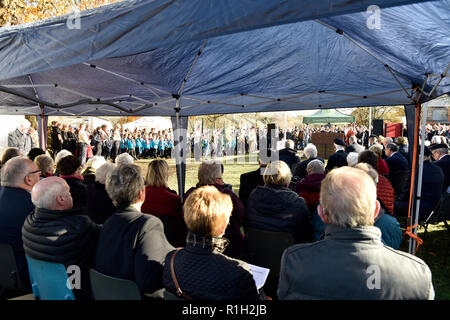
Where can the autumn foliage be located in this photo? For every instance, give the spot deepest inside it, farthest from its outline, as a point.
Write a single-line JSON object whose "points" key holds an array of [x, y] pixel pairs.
{"points": [[13, 12]]}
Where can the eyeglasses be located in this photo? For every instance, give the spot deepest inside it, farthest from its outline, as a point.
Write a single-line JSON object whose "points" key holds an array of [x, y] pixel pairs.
{"points": [[33, 172]]}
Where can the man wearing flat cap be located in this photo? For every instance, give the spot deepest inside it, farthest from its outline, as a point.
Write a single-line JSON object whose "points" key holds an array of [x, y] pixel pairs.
{"points": [[440, 154], [339, 158]]}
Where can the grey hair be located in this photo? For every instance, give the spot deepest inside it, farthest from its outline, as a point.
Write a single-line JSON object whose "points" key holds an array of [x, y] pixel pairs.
{"points": [[315, 166], [102, 172], [47, 199], [45, 163], [310, 151], [367, 168], [124, 183], [208, 171], [14, 171], [392, 146], [352, 159], [339, 147], [289, 144], [62, 154], [124, 158]]}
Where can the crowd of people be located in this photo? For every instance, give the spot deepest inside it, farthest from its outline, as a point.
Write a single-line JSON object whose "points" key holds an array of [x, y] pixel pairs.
{"points": [[109, 143], [342, 216]]}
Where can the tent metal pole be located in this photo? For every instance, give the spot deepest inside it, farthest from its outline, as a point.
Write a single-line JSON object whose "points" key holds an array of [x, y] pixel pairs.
{"points": [[419, 180], [370, 121], [178, 157]]}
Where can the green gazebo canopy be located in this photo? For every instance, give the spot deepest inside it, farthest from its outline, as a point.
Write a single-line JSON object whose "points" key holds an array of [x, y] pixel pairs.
{"points": [[328, 116]]}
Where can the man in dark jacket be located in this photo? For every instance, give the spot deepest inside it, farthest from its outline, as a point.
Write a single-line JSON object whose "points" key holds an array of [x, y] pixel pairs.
{"points": [[440, 154], [249, 181], [18, 176], [132, 245], [310, 152], [289, 155], [57, 233], [339, 158], [351, 262]]}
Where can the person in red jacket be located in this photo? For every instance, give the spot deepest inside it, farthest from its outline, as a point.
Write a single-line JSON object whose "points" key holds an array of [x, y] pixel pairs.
{"points": [[164, 202], [309, 187], [385, 191]]}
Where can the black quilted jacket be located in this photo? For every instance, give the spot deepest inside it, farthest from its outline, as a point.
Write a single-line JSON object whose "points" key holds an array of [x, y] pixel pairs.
{"points": [[206, 274]]}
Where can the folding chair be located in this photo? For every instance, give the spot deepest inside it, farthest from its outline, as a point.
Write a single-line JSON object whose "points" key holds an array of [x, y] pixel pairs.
{"points": [[49, 280], [110, 288]]}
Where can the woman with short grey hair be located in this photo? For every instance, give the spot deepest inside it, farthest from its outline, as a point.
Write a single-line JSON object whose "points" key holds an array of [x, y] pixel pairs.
{"points": [[46, 164], [132, 245], [275, 207]]}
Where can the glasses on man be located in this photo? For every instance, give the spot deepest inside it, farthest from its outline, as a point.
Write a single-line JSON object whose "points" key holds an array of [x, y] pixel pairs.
{"points": [[33, 172]]}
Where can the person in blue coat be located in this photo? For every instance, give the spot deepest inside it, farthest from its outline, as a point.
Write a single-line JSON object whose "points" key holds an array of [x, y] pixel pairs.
{"points": [[145, 147], [153, 146], [131, 146], [18, 176], [138, 147]]}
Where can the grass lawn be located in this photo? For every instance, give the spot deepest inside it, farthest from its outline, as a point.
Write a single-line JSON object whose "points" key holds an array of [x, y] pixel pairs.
{"points": [[432, 251]]}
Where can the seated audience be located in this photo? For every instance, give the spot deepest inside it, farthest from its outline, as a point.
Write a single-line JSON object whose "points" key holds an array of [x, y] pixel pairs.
{"points": [[163, 202], [385, 191], [34, 153], [351, 262], [398, 167], [382, 166], [339, 158], [310, 152], [131, 245], [46, 164], [391, 233], [18, 176], [442, 160], [210, 173], [309, 187], [56, 232], [62, 154], [289, 155], [124, 158], [90, 168], [69, 169], [431, 191], [99, 205], [275, 207], [200, 270]]}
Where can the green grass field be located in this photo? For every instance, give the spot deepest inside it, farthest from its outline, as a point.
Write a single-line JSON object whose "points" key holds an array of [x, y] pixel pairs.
{"points": [[432, 251]]}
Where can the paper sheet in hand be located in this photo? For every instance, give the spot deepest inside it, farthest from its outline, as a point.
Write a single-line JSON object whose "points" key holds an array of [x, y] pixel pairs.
{"points": [[259, 275]]}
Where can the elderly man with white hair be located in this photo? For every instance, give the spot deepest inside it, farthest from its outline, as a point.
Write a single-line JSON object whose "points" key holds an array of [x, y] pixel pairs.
{"points": [[20, 138], [18, 176], [310, 152], [58, 233]]}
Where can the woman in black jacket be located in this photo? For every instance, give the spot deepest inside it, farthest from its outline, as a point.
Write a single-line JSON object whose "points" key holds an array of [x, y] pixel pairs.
{"points": [[69, 168], [200, 270]]}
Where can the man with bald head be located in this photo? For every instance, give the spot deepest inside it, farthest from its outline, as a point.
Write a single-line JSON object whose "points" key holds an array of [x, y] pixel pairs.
{"points": [[351, 262], [18, 176], [59, 233]]}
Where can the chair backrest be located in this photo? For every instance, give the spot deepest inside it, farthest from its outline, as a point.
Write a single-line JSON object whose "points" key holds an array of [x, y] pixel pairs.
{"points": [[9, 273], [170, 296], [265, 248], [109, 288], [49, 280]]}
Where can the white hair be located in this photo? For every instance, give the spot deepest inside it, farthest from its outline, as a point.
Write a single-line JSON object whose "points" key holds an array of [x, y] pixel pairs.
{"points": [[315, 166], [47, 199], [14, 171], [124, 158], [24, 123], [339, 147], [62, 154], [310, 151], [102, 172], [352, 159], [209, 171], [95, 162]]}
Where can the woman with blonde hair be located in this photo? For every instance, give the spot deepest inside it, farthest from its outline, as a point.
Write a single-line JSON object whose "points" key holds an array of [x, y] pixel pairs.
{"points": [[200, 271], [163, 202]]}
